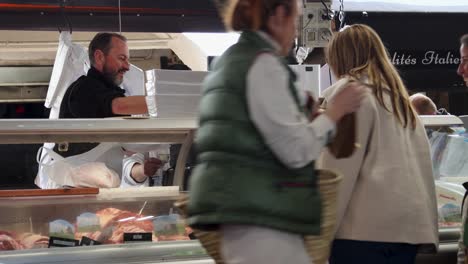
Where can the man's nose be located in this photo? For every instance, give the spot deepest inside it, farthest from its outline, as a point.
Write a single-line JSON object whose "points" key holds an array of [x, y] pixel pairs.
{"points": [[460, 69], [126, 65]]}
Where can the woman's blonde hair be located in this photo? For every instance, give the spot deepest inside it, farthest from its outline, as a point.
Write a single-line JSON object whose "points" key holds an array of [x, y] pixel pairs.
{"points": [[240, 15], [357, 51]]}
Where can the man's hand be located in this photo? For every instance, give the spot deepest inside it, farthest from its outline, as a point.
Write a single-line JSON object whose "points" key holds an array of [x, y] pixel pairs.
{"points": [[313, 106], [140, 172], [150, 166]]}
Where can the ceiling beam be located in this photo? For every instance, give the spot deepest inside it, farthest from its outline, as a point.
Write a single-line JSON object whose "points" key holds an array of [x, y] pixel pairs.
{"points": [[136, 16]]}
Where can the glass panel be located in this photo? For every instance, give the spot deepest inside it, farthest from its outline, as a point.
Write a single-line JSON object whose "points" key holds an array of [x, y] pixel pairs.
{"points": [[149, 212], [449, 152]]}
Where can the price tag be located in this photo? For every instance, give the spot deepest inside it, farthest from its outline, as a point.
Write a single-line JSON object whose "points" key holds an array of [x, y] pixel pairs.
{"points": [[86, 241], [138, 237], [62, 242]]}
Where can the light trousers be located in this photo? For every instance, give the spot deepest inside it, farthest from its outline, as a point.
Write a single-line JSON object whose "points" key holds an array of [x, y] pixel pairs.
{"points": [[246, 244]]}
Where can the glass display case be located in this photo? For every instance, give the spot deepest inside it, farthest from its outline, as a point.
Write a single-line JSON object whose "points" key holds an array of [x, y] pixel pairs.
{"points": [[445, 133], [449, 144], [90, 225], [37, 221], [43, 218], [141, 225]]}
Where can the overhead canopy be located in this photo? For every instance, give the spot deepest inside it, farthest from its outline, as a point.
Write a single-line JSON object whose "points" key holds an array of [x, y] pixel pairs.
{"points": [[90, 15], [456, 6], [166, 15]]}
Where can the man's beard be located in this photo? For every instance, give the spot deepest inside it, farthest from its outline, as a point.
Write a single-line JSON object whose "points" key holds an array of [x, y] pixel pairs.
{"points": [[112, 76]]}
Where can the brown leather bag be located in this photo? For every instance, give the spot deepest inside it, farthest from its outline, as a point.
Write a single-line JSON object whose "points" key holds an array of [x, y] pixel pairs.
{"points": [[344, 142]]}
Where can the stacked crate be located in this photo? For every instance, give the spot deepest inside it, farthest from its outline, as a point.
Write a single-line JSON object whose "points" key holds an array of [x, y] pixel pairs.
{"points": [[173, 94]]}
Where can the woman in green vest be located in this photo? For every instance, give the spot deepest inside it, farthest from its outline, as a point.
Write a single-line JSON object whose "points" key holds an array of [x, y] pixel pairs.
{"points": [[255, 178]]}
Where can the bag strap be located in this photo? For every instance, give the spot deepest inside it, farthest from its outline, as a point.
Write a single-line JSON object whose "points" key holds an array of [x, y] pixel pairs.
{"points": [[465, 227], [465, 185], [48, 152]]}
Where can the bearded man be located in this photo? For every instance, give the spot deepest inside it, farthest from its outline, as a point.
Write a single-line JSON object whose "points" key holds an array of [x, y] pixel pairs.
{"points": [[98, 95]]}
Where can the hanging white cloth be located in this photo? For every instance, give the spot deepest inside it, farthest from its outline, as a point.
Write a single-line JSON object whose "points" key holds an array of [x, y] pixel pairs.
{"points": [[71, 61]]}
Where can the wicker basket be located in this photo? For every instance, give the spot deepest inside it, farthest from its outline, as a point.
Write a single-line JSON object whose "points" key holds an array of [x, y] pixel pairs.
{"points": [[318, 247]]}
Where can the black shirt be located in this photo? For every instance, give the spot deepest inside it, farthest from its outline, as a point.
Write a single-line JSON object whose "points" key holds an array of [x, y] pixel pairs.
{"points": [[88, 97]]}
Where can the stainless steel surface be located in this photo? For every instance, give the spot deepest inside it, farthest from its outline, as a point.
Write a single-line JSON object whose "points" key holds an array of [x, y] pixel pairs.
{"points": [[9, 101], [181, 159], [162, 252], [447, 235], [25, 75], [440, 120], [13, 94], [24, 131], [447, 254]]}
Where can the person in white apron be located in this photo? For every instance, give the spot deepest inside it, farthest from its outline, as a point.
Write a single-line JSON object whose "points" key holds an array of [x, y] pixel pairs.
{"points": [[95, 95]]}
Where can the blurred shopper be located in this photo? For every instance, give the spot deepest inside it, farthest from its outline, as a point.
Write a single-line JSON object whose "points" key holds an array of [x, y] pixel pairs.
{"points": [[255, 178], [463, 71], [463, 67], [387, 208], [422, 104]]}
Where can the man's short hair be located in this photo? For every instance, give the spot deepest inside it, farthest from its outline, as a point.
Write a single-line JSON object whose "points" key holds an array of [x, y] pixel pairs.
{"points": [[423, 104], [464, 40], [102, 41]]}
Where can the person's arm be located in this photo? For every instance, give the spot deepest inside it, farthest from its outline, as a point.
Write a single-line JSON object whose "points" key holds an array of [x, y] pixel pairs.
{"points": [[351, 166], [129, 105], [141, 171], [127, 165], [293, 139], [136, 170]]}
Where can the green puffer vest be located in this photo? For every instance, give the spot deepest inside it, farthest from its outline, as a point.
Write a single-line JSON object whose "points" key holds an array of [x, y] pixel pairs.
{"points": [[238, 180]]}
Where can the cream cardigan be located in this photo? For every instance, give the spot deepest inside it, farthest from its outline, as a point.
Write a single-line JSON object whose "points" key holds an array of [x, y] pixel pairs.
{"points": [[387, 193]]}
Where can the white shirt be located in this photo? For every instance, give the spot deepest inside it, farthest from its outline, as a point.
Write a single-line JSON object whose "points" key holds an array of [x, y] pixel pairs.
{"points": [[127, 165], [293, 139]]}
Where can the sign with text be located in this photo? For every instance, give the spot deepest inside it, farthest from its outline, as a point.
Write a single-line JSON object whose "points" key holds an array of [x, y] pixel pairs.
{"points": [[427, 59]]}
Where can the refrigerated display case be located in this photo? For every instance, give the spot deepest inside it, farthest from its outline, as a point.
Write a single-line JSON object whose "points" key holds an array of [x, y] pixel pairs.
{"points": [[27, 218], [137, 224], [90, 225], [441, 130]]}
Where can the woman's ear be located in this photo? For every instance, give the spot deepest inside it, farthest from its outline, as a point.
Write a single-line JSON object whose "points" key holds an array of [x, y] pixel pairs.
{"points": [[275, 23]]}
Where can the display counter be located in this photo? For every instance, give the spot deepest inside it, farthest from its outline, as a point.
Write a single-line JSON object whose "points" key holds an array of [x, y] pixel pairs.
{"points": [[102, 225], [89, 225], [141, 225], [445, 133]]}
